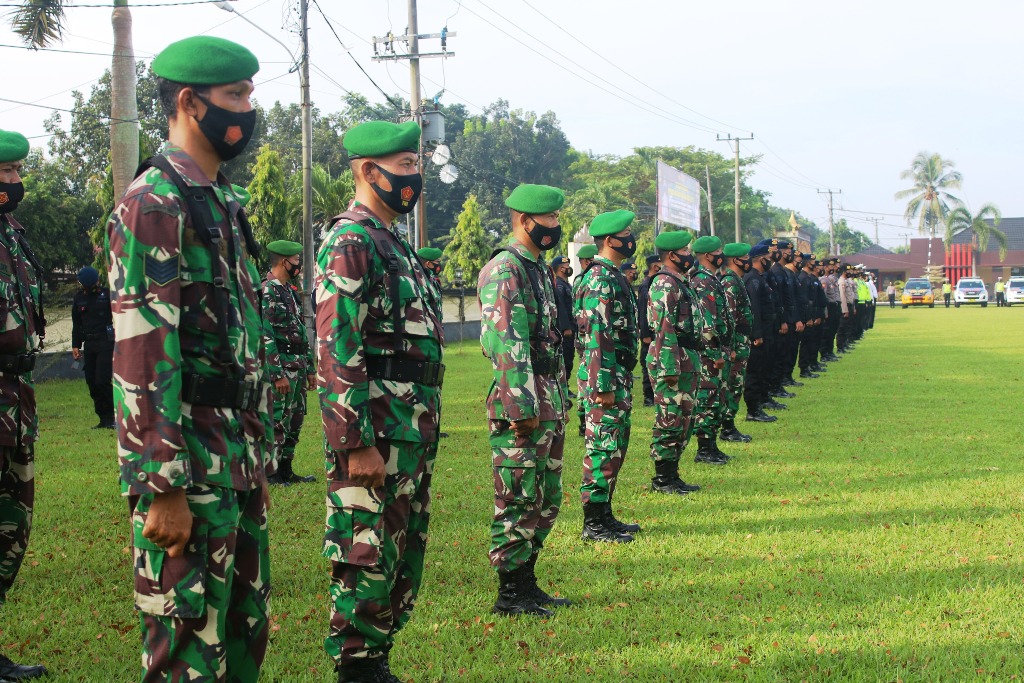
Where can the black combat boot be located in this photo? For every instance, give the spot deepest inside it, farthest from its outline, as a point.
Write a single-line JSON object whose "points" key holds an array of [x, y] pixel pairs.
{"points": [[731, 434], [595, 525], [666, 479], [757, 414], [790, 382], [717, 450], [515, 596], [706, 453], [361, 671], [274, 480], [9, 671], [818, 367], [538, 593], [583, 425], [781, 393], [284, 470], [772, 404], [617, 524], [807, 374]]}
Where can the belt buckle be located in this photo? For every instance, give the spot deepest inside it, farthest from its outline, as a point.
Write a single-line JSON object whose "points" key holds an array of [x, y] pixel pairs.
{"points": [[440, 374], [189, 393]]}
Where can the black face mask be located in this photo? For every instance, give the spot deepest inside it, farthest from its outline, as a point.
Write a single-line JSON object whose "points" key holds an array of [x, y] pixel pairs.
{"points": [[766, 263], [745, 265], [294, 269], [228, 131], [775, 256], [544, 237], [717, 260], [405, 190], [787, 258], [627, 245], [567, 273], [683, 262], [11, 195]]}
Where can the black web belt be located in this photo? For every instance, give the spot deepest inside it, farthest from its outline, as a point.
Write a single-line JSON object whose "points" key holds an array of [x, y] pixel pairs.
{"points": [[404, 370], [547, 367], [17, 364], [286, 347], [219, 392]]}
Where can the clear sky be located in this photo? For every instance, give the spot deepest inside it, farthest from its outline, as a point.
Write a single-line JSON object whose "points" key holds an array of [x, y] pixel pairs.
{"points": [[839, 95]]}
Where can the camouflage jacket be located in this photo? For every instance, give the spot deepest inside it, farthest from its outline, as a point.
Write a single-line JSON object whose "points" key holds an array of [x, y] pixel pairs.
{"points": [[284, 332], [354, 322], [710, 296], [19, 335], [518, 333], [677, 326], [161, 279], [605, 313], [739, 306]]}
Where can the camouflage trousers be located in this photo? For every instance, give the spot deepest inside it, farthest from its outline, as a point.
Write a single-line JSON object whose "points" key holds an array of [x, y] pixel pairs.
{"points": [[606, 442], [205, 613], [289, 414], [376, 540], [732, 388], [527, 490], [709, 411], [17, 495], [673, 418]]}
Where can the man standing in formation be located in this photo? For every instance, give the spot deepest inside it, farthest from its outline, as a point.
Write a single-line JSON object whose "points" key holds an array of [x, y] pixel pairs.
{"points": [[763, 325], [605, 311], [586, 256], [848, 309], [430, 259], [830, 285], [737, 265], [520, 334], [812, 302], [646, 333], [92, 342], [562, 268], [289, 357], [379, 373], [22, 329], [191, 392], [673, 359]]}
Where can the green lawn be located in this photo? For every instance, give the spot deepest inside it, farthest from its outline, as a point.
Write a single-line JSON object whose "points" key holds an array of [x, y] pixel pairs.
{"points": [[872, 534]]}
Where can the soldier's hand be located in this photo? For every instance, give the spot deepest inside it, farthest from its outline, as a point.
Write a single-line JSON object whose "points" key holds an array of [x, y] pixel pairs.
{"points": [[526, 427], [366, 467], [607, 399], [846, 315], [757, 342], [310, 382], [281, 385], [169, 522], [784, 329], [719, 364], [567, 333], [732, 355], [646, 341], [799, 326], [672, 380], [76, 353]]}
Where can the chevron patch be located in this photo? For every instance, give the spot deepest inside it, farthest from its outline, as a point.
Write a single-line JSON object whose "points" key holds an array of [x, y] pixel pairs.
{"points": [[163, 272]]}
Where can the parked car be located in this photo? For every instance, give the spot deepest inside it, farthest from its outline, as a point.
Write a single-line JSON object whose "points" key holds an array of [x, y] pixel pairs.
{"points": [[970, 290], [917, 292], [1015, 291]]}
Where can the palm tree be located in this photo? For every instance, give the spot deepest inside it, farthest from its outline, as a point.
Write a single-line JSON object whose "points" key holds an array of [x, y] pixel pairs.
{"points": [[960, 220], [40, 23], [331, 196], [929, 198]]}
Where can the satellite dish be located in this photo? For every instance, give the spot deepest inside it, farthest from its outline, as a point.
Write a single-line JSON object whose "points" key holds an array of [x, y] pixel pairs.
{"points": [[441, 155], [449, 174]]}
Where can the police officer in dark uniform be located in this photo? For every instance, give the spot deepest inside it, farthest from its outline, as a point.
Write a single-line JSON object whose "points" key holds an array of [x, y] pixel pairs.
{"points": [[92, 343], [562, 268], [762, 335], [646, 333], [785, 289]]}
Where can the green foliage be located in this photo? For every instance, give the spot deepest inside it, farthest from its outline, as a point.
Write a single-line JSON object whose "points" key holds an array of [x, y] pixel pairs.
{"points": [[960, 220], [39, 23], [468, 249], [848, 240], [331, 196], [929, 199], [268, 207]]}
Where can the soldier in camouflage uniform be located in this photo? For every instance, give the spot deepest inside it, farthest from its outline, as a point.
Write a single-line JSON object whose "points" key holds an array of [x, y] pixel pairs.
{"points": [[673, 362], [191, 393], [586, 256], [717, 352], [22, 328], [380, 344], [289, 357], [526, 403], [605, 310], [430, 259], [737, 265]]}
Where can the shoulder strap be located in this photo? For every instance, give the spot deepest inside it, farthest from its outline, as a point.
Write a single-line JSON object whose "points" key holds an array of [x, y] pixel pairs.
{"points": [[534, 276], [39, 315]]}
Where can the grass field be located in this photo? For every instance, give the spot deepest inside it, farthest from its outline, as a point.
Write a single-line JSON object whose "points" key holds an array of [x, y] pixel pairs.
{"points": [[872, 534]]}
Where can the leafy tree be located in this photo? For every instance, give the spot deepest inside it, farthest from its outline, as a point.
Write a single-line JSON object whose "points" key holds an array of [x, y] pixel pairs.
{"points": [[929, 199], [268, 207], [331, 196], [848, 240], [960, 220], [468, 248]]}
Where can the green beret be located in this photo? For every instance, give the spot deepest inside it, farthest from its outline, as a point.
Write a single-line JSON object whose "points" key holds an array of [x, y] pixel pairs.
{"points": [[736, 249], [381, 138], [672, 240], [13, 146], [429, 253], [205, 60], [706, 244], [610, 223], [284, 248], [241, 194], [587, 251], [535, 199]]}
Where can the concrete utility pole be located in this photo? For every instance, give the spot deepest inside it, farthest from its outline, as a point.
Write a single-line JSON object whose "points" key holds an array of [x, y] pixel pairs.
{"points": [[730, 138], [876, 221], [711, 207], [384, 50], [308, 257], [831, 224]]}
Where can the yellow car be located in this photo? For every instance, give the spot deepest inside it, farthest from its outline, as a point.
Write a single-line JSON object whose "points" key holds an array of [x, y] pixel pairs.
{"points": [[918, 292]]}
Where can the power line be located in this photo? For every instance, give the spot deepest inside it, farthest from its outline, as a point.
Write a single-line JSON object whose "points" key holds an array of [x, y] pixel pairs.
{"points": [[133, 5]]}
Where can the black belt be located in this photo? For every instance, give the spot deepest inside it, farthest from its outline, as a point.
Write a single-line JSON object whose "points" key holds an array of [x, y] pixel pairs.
{"points": [[545, 366], [287, 347], [220, 392], [402, 370], [97, 336], [626, 359], [19, 364]]}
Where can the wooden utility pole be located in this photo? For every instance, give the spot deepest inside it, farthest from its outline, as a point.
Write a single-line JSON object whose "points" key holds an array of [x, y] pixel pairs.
{"points": [[711, 207], [876, 221], [729, 138], [831, 224], [308, 257]]}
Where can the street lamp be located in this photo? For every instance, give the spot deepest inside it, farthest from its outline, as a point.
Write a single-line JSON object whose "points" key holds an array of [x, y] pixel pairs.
{"points": [[228, 7]]}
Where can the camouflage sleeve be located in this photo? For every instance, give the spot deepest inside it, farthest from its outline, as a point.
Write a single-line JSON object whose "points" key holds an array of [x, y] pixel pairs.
{"points": [[505, 338], [662, 302], [268, 306], [144, 253], [597, 306], [341, 289]]}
